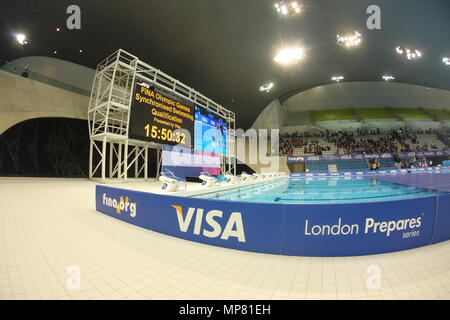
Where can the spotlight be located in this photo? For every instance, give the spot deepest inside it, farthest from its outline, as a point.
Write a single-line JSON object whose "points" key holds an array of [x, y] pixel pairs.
{"points": [[266, 87], [388, 78], [21, 39], [337, 78], [288, 7], [408, 53], [350, 40], [58, 29], [289, 56], [446, 60]]}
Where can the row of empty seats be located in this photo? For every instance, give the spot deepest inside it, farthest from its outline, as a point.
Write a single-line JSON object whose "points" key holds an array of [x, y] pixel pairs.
{"points": [[341, 165]]}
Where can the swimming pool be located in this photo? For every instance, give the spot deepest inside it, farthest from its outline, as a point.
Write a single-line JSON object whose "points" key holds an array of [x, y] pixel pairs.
{"points": [[327, 217], [321, 190]]}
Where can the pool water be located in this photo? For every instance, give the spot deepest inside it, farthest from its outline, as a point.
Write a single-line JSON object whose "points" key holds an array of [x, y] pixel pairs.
{"points": [[321, 190]]}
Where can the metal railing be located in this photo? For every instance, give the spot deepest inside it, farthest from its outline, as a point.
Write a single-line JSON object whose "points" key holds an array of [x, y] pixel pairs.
{"points": [[19, 71]]}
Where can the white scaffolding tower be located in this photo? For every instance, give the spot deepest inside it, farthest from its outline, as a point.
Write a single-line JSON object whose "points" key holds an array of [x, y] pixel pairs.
{"points": [[113, 156]]}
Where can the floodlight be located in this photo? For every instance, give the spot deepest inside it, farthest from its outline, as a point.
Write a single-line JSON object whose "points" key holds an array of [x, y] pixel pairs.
{"points": [[337, 78], [266, 87], [21, 39], [289, 56], [388, 78], [349, 40], [408, 53], [288, 7]]}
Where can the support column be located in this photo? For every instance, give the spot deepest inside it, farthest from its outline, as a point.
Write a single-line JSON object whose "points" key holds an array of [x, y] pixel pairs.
{"points": [[91, 152], [119, 160], [125, 161], [111, 156], [136, 163], [104, 159]]}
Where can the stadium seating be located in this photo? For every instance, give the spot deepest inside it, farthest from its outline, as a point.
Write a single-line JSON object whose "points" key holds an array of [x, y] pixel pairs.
{"points": [[439, 114], [411, 113], [374, 113], [384, 163], [333, 115], [342, 165]]}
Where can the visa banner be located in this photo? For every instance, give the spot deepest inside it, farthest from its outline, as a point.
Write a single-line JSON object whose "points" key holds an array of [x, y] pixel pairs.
{"points": [[365, 173], [288, 229], [331, 157]]}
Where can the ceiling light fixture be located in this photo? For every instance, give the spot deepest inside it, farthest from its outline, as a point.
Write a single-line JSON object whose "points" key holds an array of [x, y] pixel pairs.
{"points": [[21, 39], [446, 60], [266, 87], [388, 78], [289, 56], [337, 78], [350, 40], [408, 53], [288, 7]]}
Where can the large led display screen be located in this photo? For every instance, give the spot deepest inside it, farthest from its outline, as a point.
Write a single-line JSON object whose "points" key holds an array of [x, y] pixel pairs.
{"points": [[210, 132], [160, 118]]}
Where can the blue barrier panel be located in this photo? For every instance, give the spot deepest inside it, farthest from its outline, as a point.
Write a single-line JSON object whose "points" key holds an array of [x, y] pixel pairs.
{"points": [[442, 224], [368, 173], [125, 205], [358, 229], [244, 226], [332, 157], [291, 229], [238, 225]]}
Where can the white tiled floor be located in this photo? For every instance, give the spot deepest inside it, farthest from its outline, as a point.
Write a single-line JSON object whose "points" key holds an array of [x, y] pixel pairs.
{"points": [[47, 225]]}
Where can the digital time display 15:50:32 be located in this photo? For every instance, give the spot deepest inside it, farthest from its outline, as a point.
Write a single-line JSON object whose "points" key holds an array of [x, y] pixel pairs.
{"points": [[164, 134]]}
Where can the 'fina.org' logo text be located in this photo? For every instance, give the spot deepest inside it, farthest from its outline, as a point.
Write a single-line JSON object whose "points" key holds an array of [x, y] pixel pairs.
{"points": [[121, 205]]}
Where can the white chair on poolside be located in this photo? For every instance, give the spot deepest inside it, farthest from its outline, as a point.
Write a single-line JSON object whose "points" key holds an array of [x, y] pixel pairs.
{"points": [[208, 180], [171, 183]]}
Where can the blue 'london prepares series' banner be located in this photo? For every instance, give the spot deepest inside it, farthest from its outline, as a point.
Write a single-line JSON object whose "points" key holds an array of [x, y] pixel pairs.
{"points": [[331, 157], [342, 229], [368, 173]]}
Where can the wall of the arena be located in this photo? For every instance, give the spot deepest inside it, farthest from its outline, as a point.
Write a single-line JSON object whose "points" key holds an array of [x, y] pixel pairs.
{"points": [[23, 99], [51, 147], [64, 71], [45, 147], [43, 127], [345, 229], [367, 94], [295, 113], [270, 118]]}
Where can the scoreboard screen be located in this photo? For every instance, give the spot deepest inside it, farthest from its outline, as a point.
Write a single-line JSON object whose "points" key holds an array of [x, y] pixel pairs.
{"points": [[210, 132], [160, 118]]}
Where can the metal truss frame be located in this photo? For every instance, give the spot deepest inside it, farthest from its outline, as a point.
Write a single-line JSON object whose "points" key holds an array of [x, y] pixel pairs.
{"points": [[109, 117]]}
